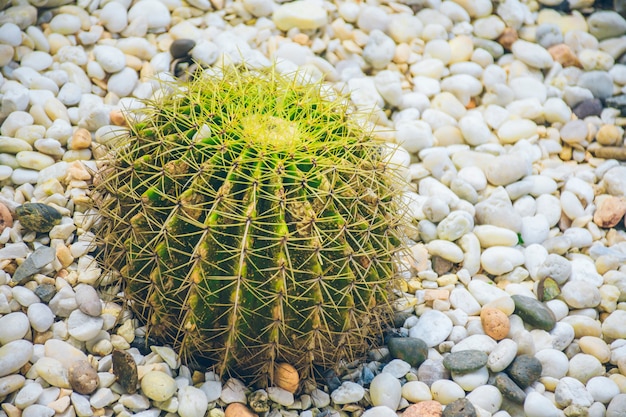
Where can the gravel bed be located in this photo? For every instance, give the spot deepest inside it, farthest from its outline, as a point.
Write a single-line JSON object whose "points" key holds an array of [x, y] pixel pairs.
{"points": [[510, 121]]}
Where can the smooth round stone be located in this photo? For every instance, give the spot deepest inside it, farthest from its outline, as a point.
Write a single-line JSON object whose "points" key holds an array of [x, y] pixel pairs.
{"points": [[613, 325], [610, 135], [110, 58], [487, 397], [158, 18], [13, 326], [506, 169], [385, 389], [379, 50], [509, 389], [599, 83], [123, 82], [37, 60], [416, 391], [511, 131], [536, 405], [114, 16], [617, 406], [490, 235], [596, 347], [302, 15], [433, 327], [583, 325], [588, 107], [574, 132], [532, 54], [192, 402], [455, 225], [525, 370], [82, 377], [410, 349], [465, 361], [606, 24], [349, 392], [88, 300], [502, 355], [602, 389], [34, 160], [28, 395], [158, 386], [397, 367], [534, 312], [10, 34], [52, 371], [83, 327], [580, 294], [570, 391], [65, 24], [460, 408], [40, 316], [431, 371], [554, 363], [63, 352], [446, 391], [471, 380], [180, 48], [584, 367], [498, 260], [379, 411]]}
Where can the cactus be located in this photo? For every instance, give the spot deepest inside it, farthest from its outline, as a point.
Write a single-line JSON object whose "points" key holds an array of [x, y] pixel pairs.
{"points": [[252, 223]]}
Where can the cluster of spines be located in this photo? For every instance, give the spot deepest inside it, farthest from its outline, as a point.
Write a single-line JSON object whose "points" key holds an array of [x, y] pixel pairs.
{"points": [[253, 223]]}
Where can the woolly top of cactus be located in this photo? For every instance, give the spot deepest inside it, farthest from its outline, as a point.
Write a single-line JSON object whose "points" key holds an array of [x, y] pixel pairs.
{"points": [[253, 222]]}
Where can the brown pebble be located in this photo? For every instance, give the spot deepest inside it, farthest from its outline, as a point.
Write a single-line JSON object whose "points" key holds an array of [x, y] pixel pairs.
{"points": [[609, 210], [610, 152], [287, 377], [610, 135], [81, 139], [564, 55], [508, 38], [6, 219], [125, 368], [238, 410], [117, 118], [495, 323], [82, 377], [423, 409]]}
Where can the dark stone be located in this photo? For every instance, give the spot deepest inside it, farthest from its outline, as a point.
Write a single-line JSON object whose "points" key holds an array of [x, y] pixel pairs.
{"points": [[125, 368], [180, 48], [459, 408], [332, 380], [465, 361], [45, 292], [410, 349], [38, 217], [525, 370], [534, 312], [509, 389], [589, 107], [367, 375], [431, 371], [617, 102], [548, 289]]}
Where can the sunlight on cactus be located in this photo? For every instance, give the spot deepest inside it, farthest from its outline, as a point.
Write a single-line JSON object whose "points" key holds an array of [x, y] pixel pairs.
{"points": [[253, 223]]}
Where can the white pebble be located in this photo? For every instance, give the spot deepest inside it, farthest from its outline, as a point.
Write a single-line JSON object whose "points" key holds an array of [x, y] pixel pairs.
{"points": [[83, 327], [385, 389], [158, 17], [446, 391], [536, 405], [40, 316], [498, 260], [192, 402], [349, 392], [14, 355], [433, 327], [13, 326]]}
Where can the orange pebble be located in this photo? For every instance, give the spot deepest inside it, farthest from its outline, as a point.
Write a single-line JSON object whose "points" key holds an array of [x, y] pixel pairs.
{"points": [[423, 409], [495, 323], [238, 410]]}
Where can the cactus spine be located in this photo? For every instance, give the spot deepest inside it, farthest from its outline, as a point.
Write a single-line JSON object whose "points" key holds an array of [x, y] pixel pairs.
{"points": [[252, 223]]}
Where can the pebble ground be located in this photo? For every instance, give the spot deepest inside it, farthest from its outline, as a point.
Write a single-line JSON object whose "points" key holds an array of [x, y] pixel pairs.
{"points": [[509, 117]]}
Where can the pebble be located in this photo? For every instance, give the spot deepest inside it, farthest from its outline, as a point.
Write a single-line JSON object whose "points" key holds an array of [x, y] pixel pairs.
{"points": [[379, 411], [158, 386], [465, 361], [536, 405], [302, 15], [13, 326], [238, 410], [495, 323], [82, 377], [524, 370], [570, 391], [125, 368], [459, 408], [533, 312], [82, 326], [14, 355], [432, 328], [446, 392], [502, 355], [412, 350], [416, 391], [192, 402], [509, 389], [349, 392], [532, 54], [385, 390], [426, 408]]}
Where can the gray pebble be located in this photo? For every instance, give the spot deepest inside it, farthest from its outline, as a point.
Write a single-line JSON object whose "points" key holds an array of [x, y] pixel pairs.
{"points": [[599, 83], [509, 389], [465, 361], [525, 370], [548, 34]]}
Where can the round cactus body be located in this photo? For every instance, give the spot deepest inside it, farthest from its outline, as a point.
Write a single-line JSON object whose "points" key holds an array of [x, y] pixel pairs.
{"points": [[252, 224]]}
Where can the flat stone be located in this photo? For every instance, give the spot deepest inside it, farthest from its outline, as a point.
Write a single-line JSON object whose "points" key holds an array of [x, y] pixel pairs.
{"points": [[14, 355], [509, 389], [465, 361], [534, 312], [37, 260], [125, 368], [409, 349]]}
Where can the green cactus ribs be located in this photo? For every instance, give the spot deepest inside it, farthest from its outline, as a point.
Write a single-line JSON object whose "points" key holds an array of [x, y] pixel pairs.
{"points": [[253, 223]]}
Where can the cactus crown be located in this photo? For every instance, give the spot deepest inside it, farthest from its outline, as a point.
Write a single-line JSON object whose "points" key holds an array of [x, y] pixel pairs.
{"points": [[253, 223]]}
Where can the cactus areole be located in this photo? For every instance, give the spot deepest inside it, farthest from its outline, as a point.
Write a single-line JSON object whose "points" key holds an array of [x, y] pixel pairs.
{"points": [[252, 223]]}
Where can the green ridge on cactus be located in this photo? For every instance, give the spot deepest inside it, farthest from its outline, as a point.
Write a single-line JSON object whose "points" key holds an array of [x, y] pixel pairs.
{"points": [[253, 223]]}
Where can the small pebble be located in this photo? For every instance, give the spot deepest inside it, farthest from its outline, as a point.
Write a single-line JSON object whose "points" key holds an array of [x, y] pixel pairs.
{"points": [[82, 377]]}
